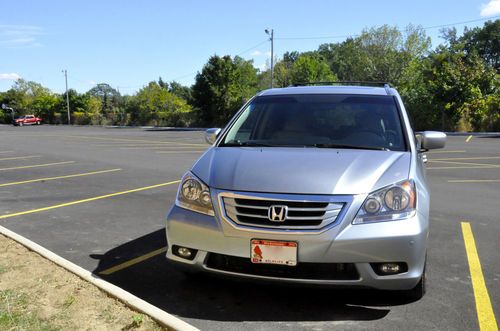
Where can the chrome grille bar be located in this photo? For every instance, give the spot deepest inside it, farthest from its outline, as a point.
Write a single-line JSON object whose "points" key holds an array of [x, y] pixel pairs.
{"points": [[304, 214]]}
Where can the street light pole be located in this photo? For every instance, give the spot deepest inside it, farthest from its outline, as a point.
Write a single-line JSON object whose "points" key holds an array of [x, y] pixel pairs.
{"points": [[270, 32], [67, 94]]}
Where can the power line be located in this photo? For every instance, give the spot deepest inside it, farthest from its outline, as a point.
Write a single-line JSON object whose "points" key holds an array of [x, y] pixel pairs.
{"points": [[459, 23], [356, 35], [253, 47], [240, 53], [312, 38]]}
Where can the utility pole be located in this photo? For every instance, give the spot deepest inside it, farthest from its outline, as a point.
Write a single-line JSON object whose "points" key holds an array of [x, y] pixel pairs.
{"points": [[67, 95], [270, 32]]}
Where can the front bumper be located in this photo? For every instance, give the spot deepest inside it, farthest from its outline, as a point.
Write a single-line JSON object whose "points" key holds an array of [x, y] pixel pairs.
{"points": [[396, 241]]}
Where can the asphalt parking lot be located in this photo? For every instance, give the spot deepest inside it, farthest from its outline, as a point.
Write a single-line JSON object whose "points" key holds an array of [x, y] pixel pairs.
{"points": [[98, 198]]}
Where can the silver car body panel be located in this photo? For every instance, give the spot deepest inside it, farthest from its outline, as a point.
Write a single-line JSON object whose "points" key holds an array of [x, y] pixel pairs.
{"points": [[315, 170]]}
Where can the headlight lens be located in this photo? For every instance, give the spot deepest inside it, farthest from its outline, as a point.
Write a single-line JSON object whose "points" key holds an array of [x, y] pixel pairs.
{"points": [[395, 202], [194, 195], [191, 189]]}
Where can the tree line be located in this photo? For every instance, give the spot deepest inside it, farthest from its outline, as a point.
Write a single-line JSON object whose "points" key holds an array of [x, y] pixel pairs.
{"points": [[452, 87]]}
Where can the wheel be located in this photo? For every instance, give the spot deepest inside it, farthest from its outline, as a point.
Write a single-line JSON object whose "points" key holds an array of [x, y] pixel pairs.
{"points": [[38, 123], [21, 123]]}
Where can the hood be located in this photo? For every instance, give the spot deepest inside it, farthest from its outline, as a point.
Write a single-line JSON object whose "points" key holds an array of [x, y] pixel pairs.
{"points": [[301, 170]]}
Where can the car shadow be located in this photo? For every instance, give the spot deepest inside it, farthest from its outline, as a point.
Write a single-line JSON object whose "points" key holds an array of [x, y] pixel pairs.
{"points": [[202, 296]]}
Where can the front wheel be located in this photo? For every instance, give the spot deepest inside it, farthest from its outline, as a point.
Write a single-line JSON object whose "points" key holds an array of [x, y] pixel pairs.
{"points": [[38, 123], [21, 123]]}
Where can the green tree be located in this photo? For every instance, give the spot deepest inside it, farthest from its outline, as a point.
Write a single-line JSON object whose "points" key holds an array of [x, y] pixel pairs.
{"points": [[310, 68], [378, 54], [94, 107], [222, 87], [46, 105], [24, 95], [485, 41], [157, 106], [181, 91], [282, 69], [455, 82], [111, 101]]}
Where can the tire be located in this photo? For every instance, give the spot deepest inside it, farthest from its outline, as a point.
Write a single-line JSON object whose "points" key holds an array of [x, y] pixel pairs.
{"points": [[21, 123], [38, 123]]}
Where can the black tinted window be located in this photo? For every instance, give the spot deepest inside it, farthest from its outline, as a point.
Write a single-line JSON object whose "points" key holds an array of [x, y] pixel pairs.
{"points": [[309, 120]]}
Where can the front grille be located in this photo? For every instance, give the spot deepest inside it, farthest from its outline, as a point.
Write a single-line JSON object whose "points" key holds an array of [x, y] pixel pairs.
{"points": [[254, 211], [316, 271]]}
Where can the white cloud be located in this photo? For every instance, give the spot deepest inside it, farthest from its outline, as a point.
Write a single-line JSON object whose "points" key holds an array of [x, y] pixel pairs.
{"points": [[262, 67], [9, 76], [256, 53], [491, 8], [19, 36]]}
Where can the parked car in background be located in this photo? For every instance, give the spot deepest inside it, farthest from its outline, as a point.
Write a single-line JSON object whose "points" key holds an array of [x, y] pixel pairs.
{"points": [[310, 184], [27, 120]]}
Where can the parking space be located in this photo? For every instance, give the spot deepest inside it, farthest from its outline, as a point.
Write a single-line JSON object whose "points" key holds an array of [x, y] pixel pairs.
{"points": [[98, 197]]}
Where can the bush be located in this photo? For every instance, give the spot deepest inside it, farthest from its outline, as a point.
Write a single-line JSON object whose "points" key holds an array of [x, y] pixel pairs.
{"points": [[80, 118]]}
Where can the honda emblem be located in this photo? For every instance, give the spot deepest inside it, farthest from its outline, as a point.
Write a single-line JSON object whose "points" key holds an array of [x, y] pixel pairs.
{"points": [[277, 213]]}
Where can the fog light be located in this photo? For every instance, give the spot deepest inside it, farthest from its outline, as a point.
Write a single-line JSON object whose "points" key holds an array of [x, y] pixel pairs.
{"points": [[184, 252], [390, 268]]}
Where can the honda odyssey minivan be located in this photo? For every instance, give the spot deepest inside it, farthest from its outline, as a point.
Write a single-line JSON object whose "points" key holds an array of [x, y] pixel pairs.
{"points": [[310, 184]]}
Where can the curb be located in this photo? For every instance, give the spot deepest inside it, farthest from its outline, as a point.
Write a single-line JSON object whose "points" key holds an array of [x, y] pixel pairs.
{"points": [[162, 317], [475, 134]]}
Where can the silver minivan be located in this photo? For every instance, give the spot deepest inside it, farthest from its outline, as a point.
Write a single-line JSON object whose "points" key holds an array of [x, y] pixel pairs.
{"points": [[312, 185]]}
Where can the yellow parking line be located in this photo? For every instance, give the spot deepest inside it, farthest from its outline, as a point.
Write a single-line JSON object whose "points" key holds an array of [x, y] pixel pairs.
{"points": [[137, 140], [179, 152], [485, 314], [60, 177], [87, 200], [467, 163], [473, 180], [461, 167], [445, 151], [468, 139], [126, 144], [136, 260], [132, 144], [160, 147], [114, 139], [466, 158], [37, 165], [19, 157]]}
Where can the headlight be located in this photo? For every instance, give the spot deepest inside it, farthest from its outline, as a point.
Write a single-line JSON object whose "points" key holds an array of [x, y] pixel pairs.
{"points": [[194, 195], [395, 202]]}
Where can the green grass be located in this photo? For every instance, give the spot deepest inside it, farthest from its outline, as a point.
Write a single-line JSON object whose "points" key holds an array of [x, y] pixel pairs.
{"points": [[16, 315]]}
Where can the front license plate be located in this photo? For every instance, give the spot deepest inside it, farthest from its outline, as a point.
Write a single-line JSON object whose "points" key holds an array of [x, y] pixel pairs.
{"points": [[273, 252]]}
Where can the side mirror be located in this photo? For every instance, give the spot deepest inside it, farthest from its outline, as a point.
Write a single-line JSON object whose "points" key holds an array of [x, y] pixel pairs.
{"points": [[211, 135], [432, 139]]}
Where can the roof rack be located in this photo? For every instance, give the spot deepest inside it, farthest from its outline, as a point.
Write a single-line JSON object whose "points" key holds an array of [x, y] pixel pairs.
{"points": [[345, 82], [385, 85]]}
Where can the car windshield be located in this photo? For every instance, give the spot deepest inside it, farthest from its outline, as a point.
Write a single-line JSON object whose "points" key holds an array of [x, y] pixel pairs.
{"points": [[319, 120]]}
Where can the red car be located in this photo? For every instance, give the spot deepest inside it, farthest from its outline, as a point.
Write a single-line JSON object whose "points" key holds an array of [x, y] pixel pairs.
{"points": [[27, 120]]}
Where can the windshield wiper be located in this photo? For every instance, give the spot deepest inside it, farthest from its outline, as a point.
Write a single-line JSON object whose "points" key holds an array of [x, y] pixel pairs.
{"points": [[350, 147], [238, 143]]}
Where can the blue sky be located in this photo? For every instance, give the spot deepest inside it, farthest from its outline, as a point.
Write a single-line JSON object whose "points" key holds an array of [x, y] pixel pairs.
{"points": [[129, 43]]}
